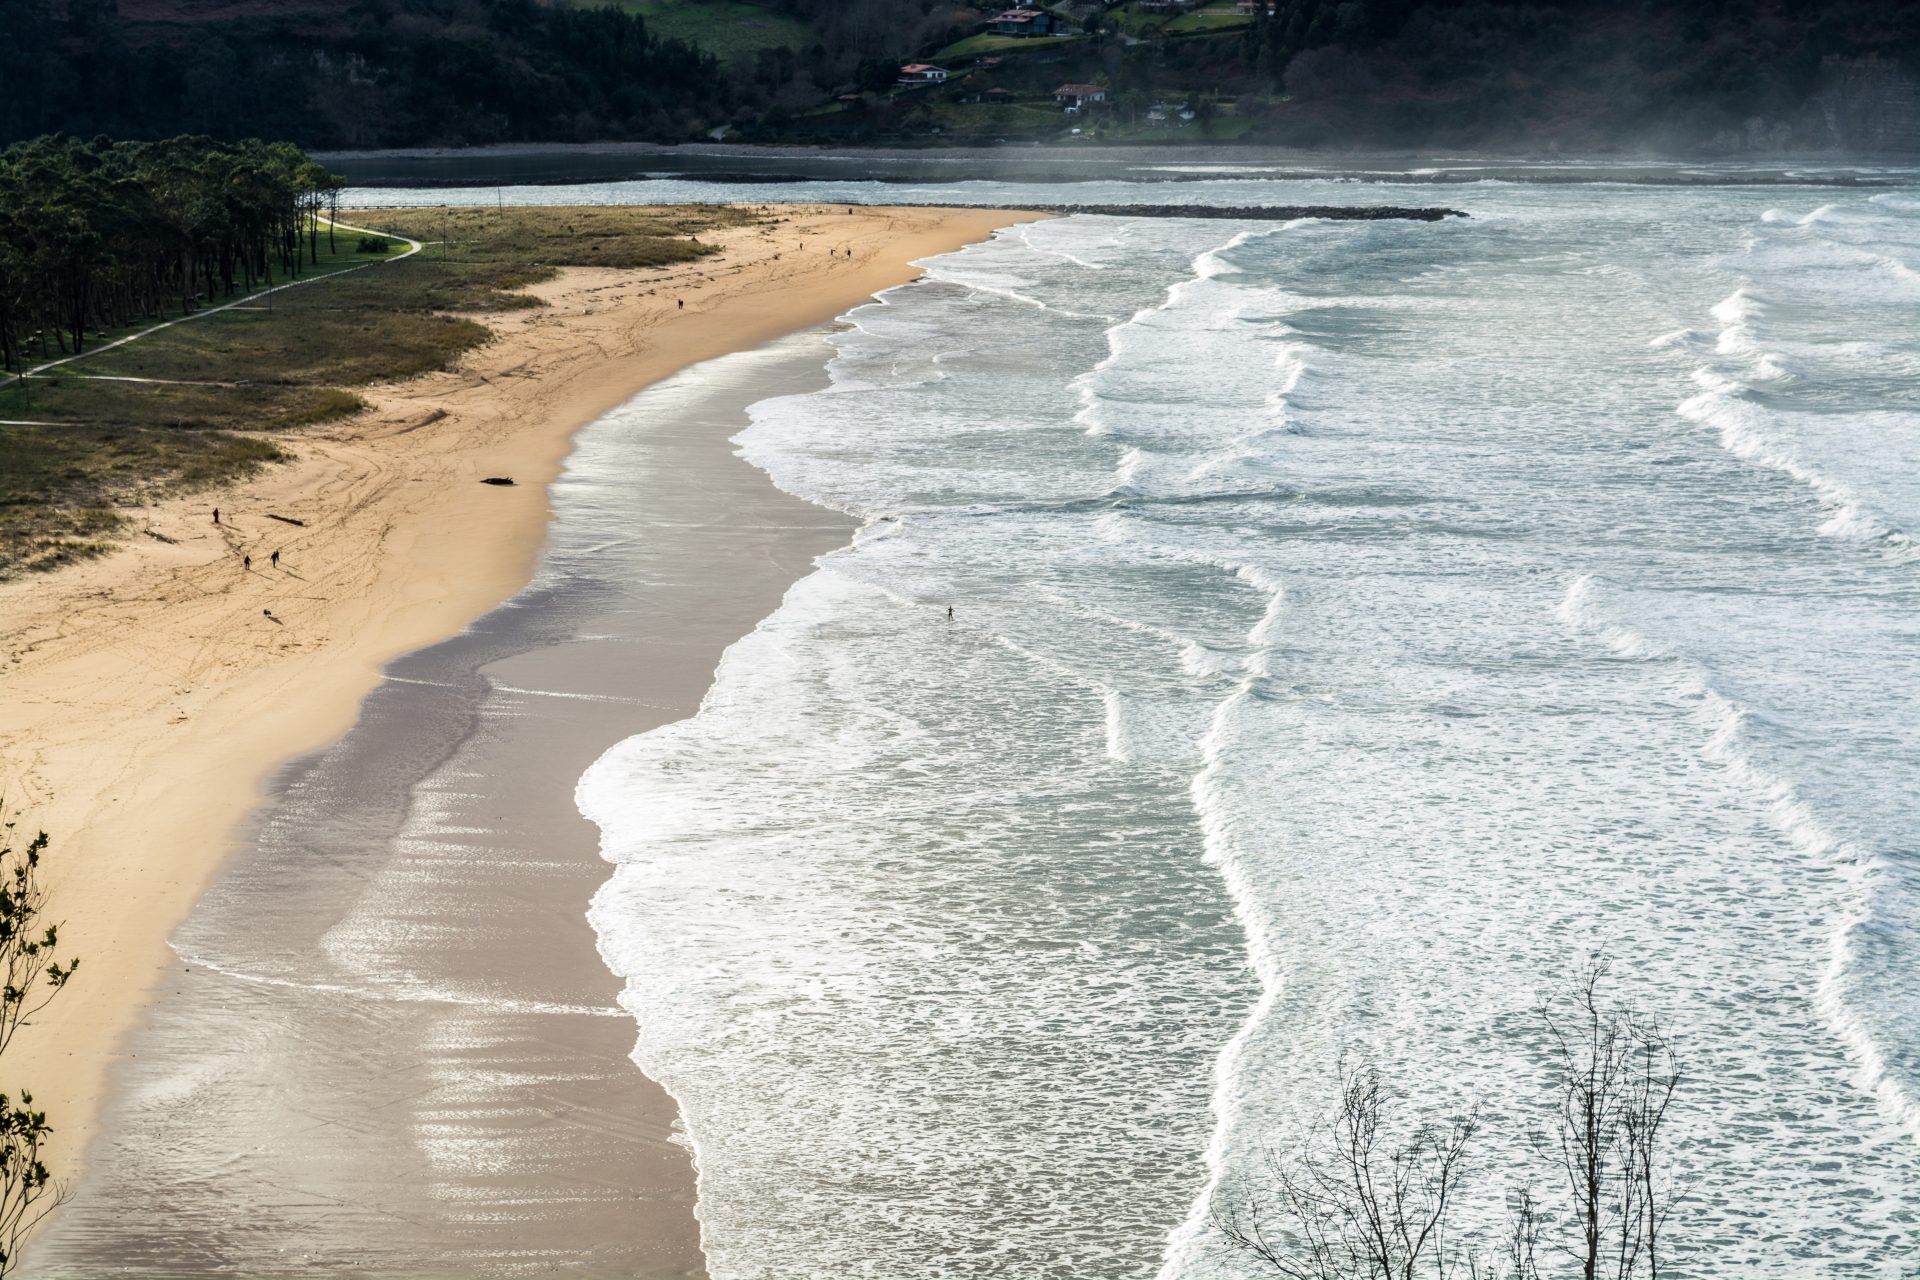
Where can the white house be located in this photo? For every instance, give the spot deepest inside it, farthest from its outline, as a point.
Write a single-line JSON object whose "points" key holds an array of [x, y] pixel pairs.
{"points": [[1075, 96], [918, 75]]}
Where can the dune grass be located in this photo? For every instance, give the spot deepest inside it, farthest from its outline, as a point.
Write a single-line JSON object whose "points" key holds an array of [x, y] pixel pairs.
{"points": [[60, 485], [533, 239], [228, 382]]}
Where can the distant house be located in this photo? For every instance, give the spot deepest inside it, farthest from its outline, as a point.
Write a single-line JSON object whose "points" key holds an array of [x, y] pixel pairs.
{"points": [[918, 75], [1247, 8], [999, 95], [1075, 96], [1027, 22]]}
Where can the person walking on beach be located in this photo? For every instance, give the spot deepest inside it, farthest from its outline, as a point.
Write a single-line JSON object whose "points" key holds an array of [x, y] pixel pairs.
{"points": [[246, 562], [949, 613], [216, 515], [276, 559], [680, 304]]}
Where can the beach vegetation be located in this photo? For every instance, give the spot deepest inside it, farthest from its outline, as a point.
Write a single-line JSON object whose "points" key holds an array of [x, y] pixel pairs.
{"points": [[31, 975], [208, 402], [523, 245], [1374, 1195], [97, 236]]}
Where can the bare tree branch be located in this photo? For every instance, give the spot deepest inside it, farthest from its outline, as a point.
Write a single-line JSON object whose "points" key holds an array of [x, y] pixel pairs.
{"points": [[29, 977], [1615, 1076], [1354, 1204]]}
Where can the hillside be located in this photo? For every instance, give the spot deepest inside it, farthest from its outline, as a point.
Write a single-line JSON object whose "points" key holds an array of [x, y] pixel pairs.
{"points": [[370, 73], [1723, 77]]}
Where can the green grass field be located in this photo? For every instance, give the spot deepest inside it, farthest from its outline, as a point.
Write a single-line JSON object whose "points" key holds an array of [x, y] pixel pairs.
{"points": [[727, 29], [342, 256], [1207, 22], [1134, 22], [232, 380], [986, 43], [999, 117]]}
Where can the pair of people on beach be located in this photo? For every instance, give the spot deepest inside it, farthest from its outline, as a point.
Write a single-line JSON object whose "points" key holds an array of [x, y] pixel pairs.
{"points": [[246, 562]]}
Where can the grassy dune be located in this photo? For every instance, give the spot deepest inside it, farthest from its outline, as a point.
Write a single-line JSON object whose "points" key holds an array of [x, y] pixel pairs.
{"points": [[231, 384]]}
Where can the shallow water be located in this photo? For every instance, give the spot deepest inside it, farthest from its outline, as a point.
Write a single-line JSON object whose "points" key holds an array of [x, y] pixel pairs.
{"points": [[1356, 627], [387, 1046]]}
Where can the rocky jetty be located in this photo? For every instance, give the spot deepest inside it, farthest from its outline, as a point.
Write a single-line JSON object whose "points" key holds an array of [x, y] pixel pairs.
{"points": [[1272, 213]]}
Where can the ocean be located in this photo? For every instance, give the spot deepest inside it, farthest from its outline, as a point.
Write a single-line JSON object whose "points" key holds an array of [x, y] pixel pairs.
{"points": [[1356, 628]]}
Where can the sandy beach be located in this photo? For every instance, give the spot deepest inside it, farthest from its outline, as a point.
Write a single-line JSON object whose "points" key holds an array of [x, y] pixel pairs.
{"points": [[145, 699]]}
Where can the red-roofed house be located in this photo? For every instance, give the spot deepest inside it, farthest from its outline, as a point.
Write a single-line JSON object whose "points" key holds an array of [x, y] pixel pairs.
{"points": [[918, 75], [1075, 96]]}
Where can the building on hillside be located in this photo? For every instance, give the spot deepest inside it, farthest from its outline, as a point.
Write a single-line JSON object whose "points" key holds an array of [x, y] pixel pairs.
{"points": [[1247, 8], [1027, 22], [1075, 96], [918, 75]]}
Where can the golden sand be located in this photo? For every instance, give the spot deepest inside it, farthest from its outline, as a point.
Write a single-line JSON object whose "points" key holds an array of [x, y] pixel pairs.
{"points": [[145, 697]]}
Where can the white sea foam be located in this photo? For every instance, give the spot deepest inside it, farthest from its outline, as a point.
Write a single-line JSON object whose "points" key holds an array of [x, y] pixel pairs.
{"points": [[1735, 402], [1348, 637], [1579, 609], [1728, 730]]}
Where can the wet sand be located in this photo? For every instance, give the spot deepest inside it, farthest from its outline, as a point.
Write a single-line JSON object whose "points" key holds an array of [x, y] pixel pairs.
{"points": [[145, 697], [387, 1046]]}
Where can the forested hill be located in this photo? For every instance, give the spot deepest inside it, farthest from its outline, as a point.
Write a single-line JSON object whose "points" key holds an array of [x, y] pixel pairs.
{"points": [[1681, 76], [359, 74], [1732, 76]]}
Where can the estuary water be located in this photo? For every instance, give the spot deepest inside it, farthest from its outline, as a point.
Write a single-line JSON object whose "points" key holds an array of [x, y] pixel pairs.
{"points": [[1357, 627]]}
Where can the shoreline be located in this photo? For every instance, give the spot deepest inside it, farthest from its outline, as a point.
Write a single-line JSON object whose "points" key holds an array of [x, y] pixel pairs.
{"points": [[393, 1046], [432, 170], [147, 700]]}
